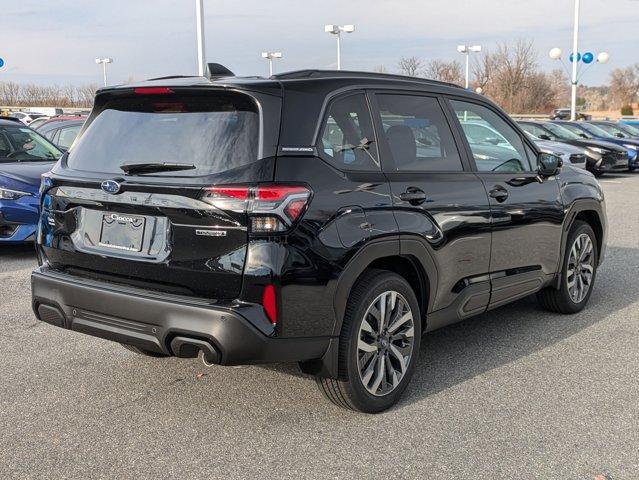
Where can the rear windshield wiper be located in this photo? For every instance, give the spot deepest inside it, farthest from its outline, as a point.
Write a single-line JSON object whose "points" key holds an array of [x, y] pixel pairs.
{"points": [[131, 168]]}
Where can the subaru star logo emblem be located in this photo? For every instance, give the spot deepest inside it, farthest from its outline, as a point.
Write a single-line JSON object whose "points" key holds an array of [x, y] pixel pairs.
{"points": [[110, 186]]}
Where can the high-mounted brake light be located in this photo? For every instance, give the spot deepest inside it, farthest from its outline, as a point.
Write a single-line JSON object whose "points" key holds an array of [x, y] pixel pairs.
{"points": [[152, 90], [273, 207]]}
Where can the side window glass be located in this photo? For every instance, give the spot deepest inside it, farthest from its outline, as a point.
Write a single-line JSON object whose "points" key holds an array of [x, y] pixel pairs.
{"points": [[496, 146], [417, 133], [348, 137], [67, 136]]}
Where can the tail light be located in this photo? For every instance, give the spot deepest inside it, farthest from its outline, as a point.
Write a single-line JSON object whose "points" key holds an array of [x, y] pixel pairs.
{"points": [[272, 207]]}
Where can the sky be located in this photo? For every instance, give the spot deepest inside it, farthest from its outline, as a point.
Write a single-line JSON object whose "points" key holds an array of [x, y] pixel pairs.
{"points": [[57, 41]]}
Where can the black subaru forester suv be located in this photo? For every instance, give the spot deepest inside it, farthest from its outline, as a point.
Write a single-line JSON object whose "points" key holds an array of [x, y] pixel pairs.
{"points": [[320, 217]]}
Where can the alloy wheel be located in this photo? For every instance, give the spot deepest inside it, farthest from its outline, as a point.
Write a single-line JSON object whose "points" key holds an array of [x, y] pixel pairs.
{"points": [[385, 343], [580, 268]]}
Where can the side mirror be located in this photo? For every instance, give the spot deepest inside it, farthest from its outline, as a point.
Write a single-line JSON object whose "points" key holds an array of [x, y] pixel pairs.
{"points": [[548, 164], [620, 135]]}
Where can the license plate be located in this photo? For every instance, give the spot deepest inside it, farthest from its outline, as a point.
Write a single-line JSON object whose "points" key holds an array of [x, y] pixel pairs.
{"points": [[122, 232]]}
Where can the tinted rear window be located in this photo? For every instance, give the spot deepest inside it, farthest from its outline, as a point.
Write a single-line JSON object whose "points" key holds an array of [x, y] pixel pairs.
{"points": [[215, 133]]}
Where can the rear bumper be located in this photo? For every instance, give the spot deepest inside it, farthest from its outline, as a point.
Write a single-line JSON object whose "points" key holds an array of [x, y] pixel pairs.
{"points": [[153, 322]]}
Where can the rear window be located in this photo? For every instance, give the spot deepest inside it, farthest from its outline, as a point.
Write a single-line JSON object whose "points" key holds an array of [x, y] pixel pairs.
{"points": [[215, 133]]}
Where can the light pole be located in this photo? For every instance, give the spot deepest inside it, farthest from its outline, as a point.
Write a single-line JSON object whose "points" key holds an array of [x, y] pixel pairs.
{"points": [[270, 56], [337, 30], [104, 62], [587, 58], [465, 49], [199, 25]]}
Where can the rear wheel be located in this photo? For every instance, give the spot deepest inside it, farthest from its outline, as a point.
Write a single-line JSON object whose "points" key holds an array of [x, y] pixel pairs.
{"points": [[143, 351], [379, 344], [578, 272]]}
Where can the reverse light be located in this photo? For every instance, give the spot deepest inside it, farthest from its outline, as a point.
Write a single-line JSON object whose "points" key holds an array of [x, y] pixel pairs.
{"points": [[273, 207], [7, 194], [269, 302]]}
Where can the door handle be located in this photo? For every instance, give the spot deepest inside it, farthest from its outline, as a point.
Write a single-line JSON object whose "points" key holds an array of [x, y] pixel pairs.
{"points": [[499, 193], [413, 195]]}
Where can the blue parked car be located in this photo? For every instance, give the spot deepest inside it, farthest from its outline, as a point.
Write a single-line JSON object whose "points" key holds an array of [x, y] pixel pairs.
{"points": [[590, 131], [618, 129], [24, 156], [633, 121]]}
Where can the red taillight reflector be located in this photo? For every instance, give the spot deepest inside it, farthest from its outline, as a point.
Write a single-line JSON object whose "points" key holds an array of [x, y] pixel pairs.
{"points": [[295, 208], [152, 90], [277, 192], [239, 192], [269, 302]]}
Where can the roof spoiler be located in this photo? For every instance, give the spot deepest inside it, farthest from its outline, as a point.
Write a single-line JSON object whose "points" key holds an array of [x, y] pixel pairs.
{"points": [[217, 70]]}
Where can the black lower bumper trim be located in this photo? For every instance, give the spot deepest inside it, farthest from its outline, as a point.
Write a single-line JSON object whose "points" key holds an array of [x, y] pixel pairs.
{"points": [[154, 323]]}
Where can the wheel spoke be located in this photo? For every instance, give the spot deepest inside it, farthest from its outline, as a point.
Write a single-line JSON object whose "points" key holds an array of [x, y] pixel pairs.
{"points": [[366, 327], [366, 347], [379, 373], [400, 321], [367, 374], [382, 312], [400, 358]]}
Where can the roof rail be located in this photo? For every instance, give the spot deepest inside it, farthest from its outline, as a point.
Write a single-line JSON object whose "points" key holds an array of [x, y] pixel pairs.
{"points": [[314, 73]]}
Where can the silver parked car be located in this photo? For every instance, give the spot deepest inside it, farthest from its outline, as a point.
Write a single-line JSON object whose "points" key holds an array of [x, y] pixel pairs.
{"points": [[570, 154]]}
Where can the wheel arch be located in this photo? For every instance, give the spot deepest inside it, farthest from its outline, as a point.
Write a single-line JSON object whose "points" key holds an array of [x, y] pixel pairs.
{"points": [[590, 211], [407, 258]]}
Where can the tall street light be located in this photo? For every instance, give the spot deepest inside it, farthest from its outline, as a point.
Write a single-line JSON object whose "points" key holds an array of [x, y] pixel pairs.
{"points": [[465, 49], [337, 30], [270, 56], [199, 23], [104, 62], [576, 57]]}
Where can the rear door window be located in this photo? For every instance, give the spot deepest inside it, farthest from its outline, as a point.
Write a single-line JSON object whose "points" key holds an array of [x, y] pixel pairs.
{"points": [[417, 134], [215, 133], [348, 139]]}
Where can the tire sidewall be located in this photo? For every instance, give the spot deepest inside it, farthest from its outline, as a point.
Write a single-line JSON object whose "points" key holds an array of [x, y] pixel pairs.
{"points": [[361, 397]]}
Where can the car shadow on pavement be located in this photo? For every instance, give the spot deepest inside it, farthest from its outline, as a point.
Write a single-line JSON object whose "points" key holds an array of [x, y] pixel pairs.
{"points": [[459, 352]]}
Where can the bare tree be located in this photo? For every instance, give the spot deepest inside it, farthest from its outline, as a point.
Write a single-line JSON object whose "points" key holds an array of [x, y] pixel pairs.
{"points": [[511, 77], [445, 71], [624, 85], [411, 66], [10, 93], [86, 94]]}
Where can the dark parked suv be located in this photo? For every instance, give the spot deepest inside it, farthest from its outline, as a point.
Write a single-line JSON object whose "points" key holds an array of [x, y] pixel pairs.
{"points": [[326, 218]]}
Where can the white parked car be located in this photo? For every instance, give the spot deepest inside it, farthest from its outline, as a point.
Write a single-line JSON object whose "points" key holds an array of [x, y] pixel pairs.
{"points": [[26, 117]]}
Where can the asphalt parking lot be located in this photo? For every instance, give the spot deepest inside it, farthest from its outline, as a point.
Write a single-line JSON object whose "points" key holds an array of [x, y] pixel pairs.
{"points": [[515, 393]]}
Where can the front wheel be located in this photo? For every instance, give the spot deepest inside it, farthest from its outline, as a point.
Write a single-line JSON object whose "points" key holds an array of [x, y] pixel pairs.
{"points": [[578, 273], [379, 344]]}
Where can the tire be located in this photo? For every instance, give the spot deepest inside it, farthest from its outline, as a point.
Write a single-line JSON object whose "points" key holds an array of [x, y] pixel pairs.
{"points": [[143, 351], [363, 354], [564, 299], [597, 173]]}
